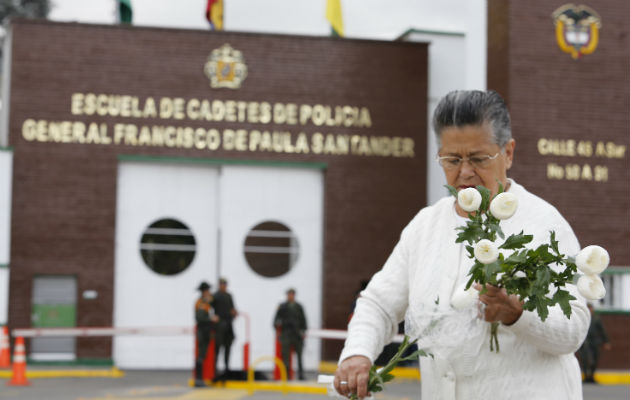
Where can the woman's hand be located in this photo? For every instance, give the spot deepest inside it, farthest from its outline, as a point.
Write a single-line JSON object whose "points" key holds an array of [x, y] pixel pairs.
{"points": [[352, 376], [499, 306]]}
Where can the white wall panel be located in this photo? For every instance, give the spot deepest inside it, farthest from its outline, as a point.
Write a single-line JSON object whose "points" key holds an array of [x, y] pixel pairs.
{"points": [[6, 179], [294, 197], [148, 192]]}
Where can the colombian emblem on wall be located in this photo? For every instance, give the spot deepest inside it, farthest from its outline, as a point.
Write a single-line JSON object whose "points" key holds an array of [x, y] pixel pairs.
{"points": [[225, 68], [577, 29]]}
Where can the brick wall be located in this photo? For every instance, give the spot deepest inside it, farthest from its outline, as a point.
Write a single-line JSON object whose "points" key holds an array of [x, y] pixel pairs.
{"points": [[556, 98], [64, 195]]}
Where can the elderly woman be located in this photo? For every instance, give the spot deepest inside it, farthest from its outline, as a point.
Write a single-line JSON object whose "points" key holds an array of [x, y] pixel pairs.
{"points": [[536, 358]]}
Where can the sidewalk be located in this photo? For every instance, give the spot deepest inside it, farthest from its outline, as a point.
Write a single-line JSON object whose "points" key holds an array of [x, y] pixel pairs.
{"points": [[174, 385]]}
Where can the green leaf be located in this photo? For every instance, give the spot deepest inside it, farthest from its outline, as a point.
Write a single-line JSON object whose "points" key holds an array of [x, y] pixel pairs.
{"points": [[562, 297], [471, 251], [544, 256], [477, 274], [570, 270], [517, 257], [491, 270], [493, 226], [414, 356], [516, 241], [540, 289], [554, 242], [530, 303], [485, 198], [541, 308], [472, 232], [387, 378], [452, 190], [541, 284]]}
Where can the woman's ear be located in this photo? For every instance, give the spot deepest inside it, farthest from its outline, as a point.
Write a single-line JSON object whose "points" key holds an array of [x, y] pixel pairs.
{"points": [[509, 153]]}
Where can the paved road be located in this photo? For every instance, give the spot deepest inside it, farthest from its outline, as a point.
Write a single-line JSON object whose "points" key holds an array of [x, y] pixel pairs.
{"points": [[172, 385]]}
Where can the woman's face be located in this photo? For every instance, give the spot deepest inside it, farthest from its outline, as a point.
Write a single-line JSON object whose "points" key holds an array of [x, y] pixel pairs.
{"points": [[475, 141]]}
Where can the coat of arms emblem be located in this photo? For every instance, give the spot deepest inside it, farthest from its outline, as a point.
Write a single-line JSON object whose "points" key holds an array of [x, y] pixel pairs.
{"points": [[225, 68], [577, 29]]}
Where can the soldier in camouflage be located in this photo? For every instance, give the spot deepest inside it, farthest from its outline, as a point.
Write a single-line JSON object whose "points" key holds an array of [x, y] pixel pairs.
{"points": [[291, 324]]}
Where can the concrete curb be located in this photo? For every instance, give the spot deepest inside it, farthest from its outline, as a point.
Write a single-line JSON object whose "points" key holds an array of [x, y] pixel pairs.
{"points": [[68, 373], [602, 377]]}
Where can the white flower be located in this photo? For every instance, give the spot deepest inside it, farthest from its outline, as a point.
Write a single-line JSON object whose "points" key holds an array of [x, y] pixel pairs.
{"points": [[591, 287], [463, 299], [469, 199], [504, 205], [592, 260], [486, 251], [520, 274]]}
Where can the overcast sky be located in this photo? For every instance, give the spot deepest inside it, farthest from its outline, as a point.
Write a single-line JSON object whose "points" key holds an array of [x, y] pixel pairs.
{"points": [[281, 16], [173, 13], [374, 19]]}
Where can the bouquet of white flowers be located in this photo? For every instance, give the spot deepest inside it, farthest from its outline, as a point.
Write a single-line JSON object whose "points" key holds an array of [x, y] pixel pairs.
{"points": [[525, 272]]}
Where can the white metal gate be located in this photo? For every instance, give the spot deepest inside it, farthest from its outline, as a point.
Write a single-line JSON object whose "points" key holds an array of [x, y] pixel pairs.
{"points": [[149, 192], [232, 200], [293, 197]]}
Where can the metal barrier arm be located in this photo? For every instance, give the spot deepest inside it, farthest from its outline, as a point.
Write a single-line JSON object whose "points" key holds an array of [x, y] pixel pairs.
{"points": [[163, 331], [102, 331], [340, 334]]}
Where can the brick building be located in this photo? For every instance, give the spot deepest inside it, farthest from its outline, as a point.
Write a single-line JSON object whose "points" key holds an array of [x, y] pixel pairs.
{"points": [[120, 135], [264, 165]]}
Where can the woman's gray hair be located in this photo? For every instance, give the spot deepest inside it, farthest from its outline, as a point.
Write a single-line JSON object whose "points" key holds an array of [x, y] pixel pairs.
{"points": [[474, 107]]}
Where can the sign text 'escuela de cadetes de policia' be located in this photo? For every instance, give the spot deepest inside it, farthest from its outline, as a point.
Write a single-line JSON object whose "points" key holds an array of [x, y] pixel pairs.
{"points": [[292, 116]]}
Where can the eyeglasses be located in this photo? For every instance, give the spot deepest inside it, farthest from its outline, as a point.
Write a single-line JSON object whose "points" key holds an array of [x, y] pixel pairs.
{"points": [[454, 162]]}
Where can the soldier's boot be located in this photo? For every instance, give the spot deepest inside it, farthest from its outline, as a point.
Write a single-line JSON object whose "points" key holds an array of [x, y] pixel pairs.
{"points": [[226, 358], [300, 370]]}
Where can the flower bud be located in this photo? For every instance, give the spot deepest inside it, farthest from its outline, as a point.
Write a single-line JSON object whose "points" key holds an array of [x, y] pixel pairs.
{"points": [[591, 287], [463, 299], [592, 260], [504, 205], [469, 199], [486, 251]]}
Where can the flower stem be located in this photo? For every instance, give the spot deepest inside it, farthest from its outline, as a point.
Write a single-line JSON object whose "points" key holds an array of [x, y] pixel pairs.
{"points": [[494, 339]]}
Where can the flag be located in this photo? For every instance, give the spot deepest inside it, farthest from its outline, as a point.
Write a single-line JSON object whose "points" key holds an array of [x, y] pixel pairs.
{"points": [[124, 11], [333, 15], [214, 14]]}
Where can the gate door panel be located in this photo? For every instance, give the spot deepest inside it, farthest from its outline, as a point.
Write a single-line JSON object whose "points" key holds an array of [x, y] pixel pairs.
{"points": [[166, 244]]}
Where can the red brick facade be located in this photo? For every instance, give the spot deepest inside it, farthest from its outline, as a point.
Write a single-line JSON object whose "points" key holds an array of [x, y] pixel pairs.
{"points": [[571, 122], [64, 194]]}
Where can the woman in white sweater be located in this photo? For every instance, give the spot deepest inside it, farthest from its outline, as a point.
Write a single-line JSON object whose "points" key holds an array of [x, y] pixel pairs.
{"points": [[536, 360]]}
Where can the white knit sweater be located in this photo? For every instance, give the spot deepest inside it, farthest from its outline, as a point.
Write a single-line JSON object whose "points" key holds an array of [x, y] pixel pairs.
{"points": [[536, 359]]}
